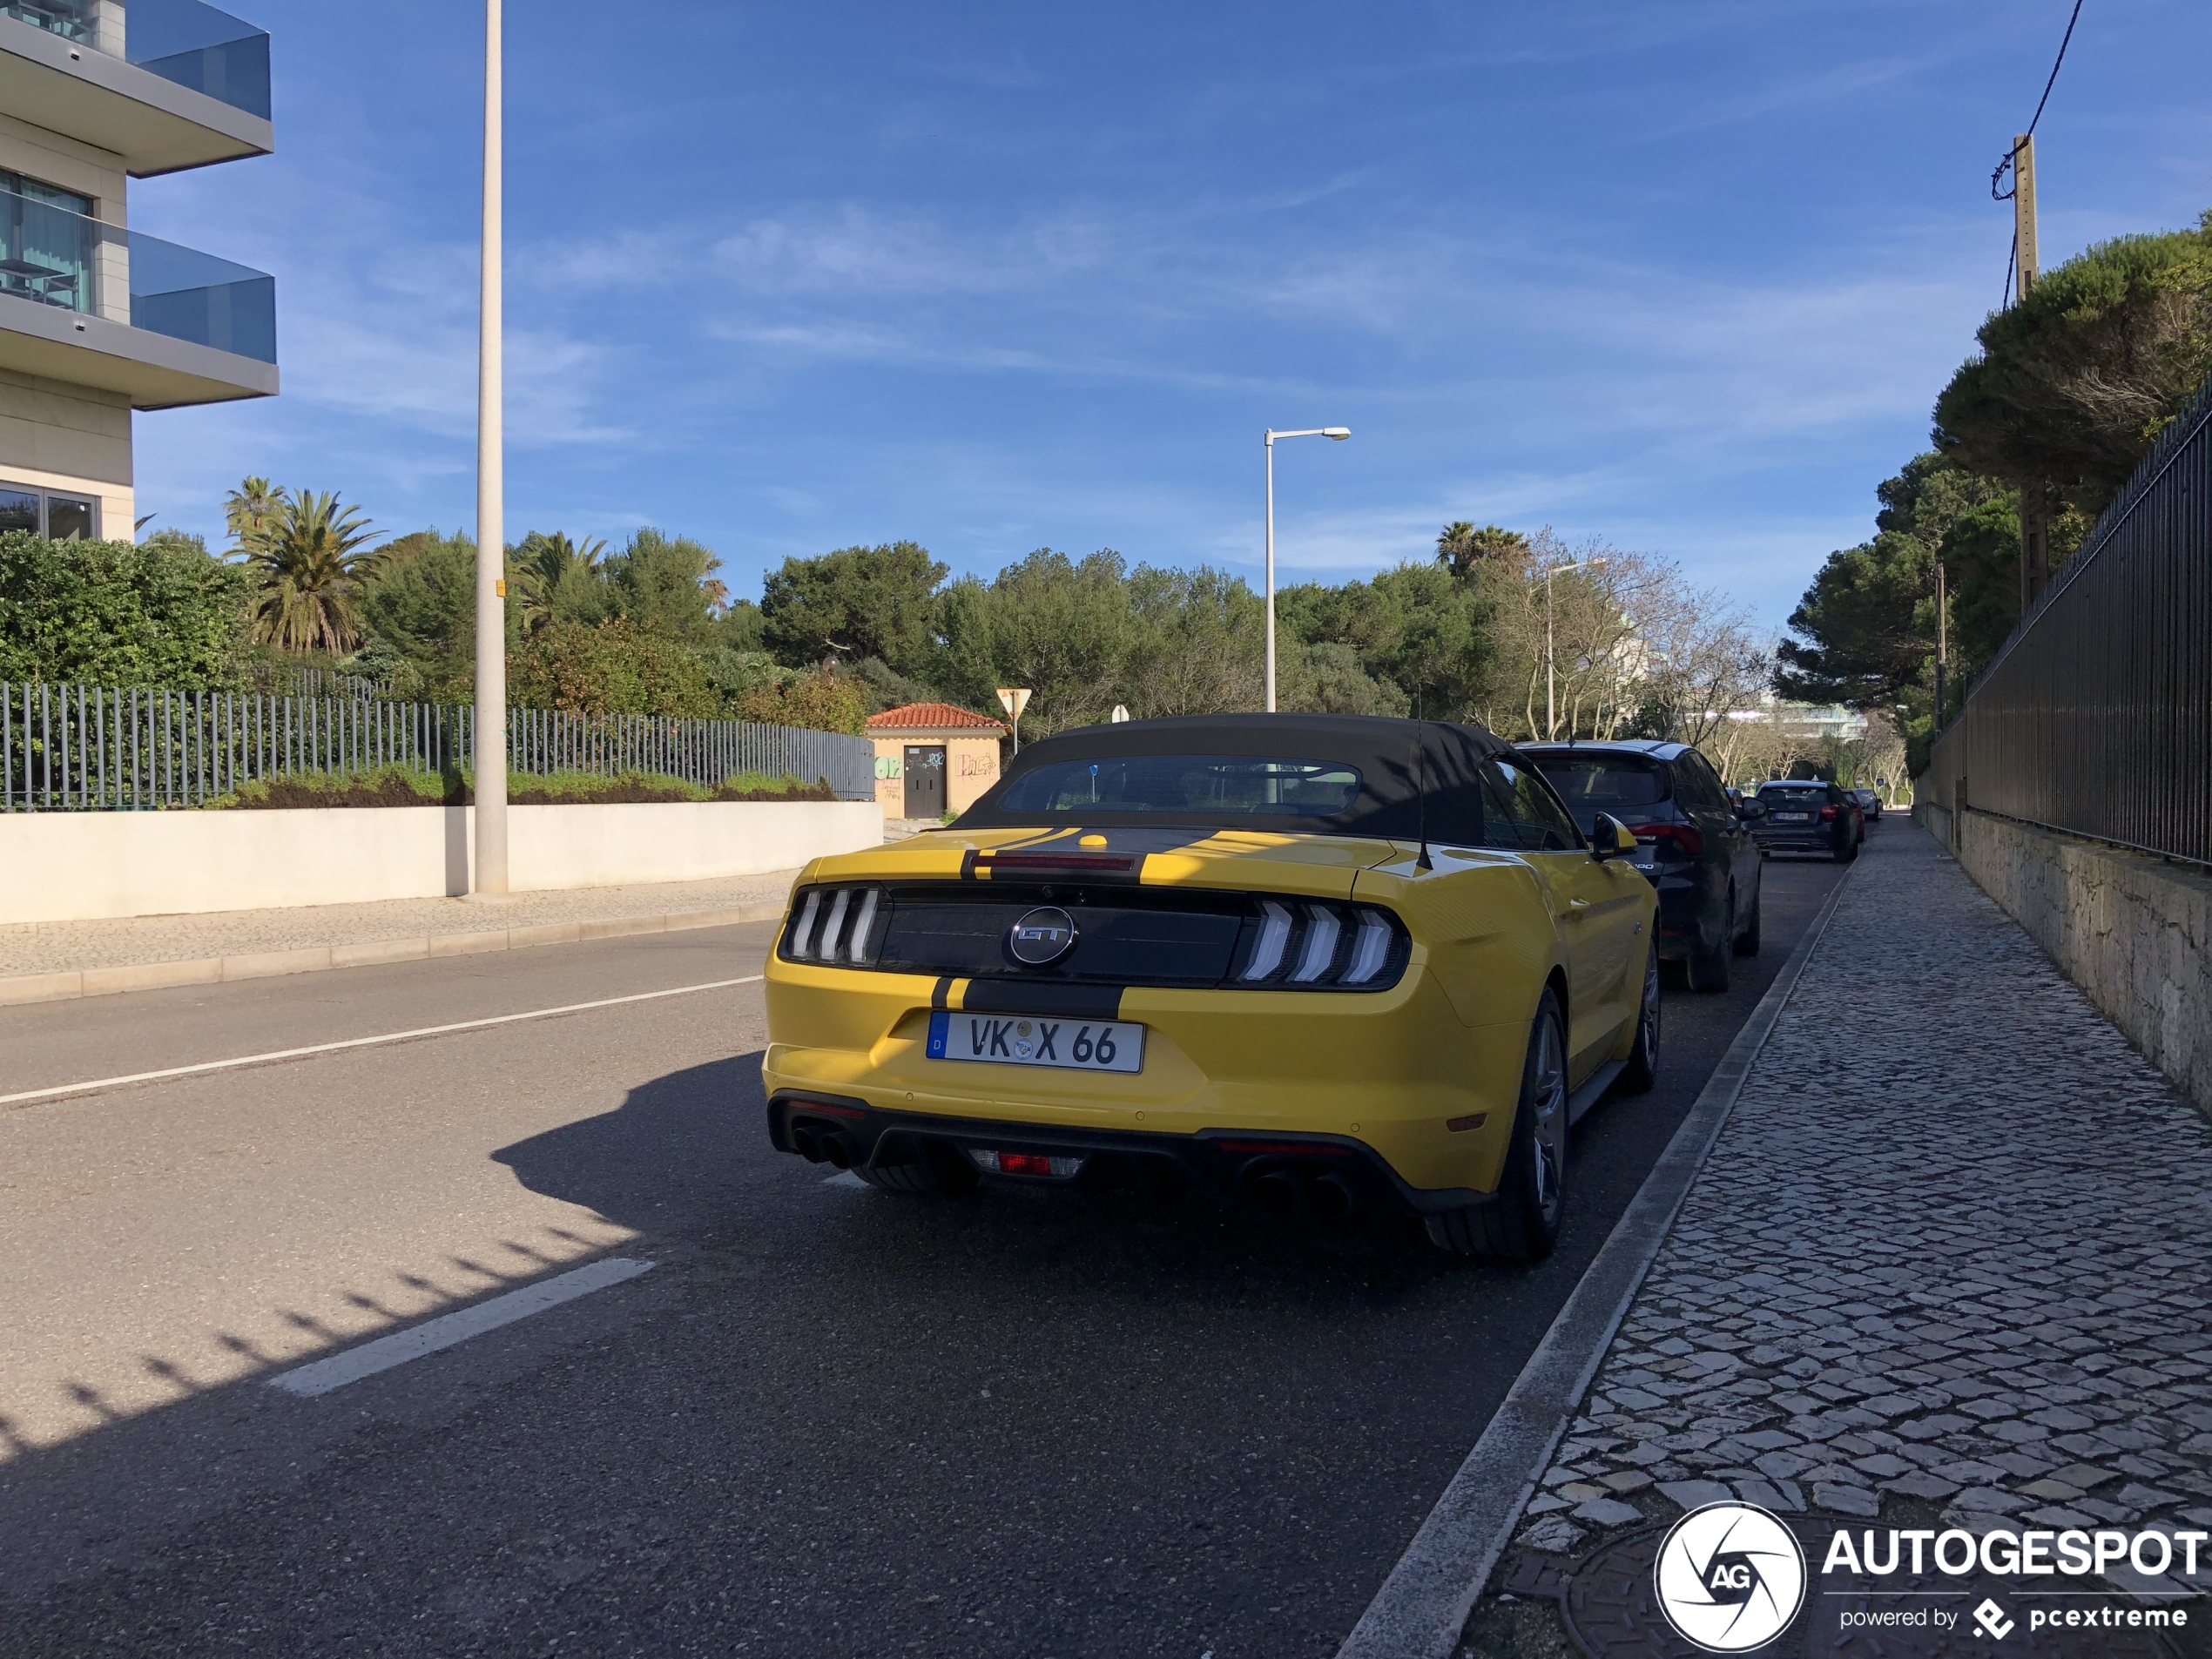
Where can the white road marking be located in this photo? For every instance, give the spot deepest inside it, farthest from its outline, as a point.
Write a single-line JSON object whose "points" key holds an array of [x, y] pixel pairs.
{"points": [[96, 1084], [847, 1178], [448, 1330]]}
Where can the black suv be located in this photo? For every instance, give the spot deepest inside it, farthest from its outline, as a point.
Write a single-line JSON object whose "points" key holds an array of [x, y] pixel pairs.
{"points": [[1689, 842], [1791, 815]]}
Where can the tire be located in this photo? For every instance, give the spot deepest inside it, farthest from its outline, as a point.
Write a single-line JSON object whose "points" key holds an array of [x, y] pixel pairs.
{"points": [[1845, 854], [1521, 1222], [1642, 1070], [1709, 968], [1747, 942]]}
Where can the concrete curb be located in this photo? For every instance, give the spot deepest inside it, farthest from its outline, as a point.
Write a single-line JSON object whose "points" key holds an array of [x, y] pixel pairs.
{"points": [[22, 989], [1422, 1607]]}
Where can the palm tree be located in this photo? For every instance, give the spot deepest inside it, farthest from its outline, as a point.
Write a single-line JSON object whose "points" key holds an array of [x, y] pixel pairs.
{"points": [[310, 562], [544, 565], [1461, 546], [251, 508]]}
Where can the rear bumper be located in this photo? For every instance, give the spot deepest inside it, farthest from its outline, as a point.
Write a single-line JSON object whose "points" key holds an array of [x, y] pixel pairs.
{"points": [[1823, 841], [1689, 922], [1330, 1173], [1395, 1073]]}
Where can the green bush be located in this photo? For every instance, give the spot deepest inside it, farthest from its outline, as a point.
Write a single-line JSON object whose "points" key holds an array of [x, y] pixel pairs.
{"points": [[611, 669], [824, 700], [411, 786], [164, 612]]}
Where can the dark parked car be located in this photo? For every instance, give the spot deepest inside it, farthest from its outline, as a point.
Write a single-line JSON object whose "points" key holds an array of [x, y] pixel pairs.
{"points": [[1791, 816], [1689, 843]]}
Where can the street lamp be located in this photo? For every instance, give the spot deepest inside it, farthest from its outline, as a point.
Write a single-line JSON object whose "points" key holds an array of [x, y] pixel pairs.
{"points": [[1551, 716], [491, 529], [1339, 433]]}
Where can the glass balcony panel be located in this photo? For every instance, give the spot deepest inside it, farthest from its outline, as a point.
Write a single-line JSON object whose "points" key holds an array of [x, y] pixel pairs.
{"points": [[190, 295], [54, 257], [184, 41], [195, 45]]}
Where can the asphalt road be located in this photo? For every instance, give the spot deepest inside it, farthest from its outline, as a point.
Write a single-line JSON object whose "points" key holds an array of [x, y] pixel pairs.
{"points": [[830, 1421]]}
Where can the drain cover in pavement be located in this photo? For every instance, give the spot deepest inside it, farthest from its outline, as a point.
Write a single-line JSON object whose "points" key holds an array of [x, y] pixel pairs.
{"points": [[1612, 1612]]}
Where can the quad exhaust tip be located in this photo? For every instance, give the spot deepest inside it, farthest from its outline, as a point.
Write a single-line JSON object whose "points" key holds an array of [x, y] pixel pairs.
{"points": [[819, 1145]]}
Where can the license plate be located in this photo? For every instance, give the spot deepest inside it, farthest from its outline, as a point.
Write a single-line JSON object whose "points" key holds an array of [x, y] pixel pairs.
{"points": [[1016, 1040], [1793, 818]]}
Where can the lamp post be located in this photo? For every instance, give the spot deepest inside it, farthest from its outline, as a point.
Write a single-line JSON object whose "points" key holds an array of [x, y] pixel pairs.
{"points": [[1551, 715], [1267, 441], [491, 531]]}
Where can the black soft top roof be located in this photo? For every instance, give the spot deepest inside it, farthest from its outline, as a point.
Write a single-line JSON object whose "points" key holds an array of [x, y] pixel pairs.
{"points": [[1396, 760]]}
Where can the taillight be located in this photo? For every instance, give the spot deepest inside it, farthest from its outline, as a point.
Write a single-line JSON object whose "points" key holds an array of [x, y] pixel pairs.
{"points": [[1686, 838], [1317, 946], [1024, 1163], [1828, 812], [835, 925]]}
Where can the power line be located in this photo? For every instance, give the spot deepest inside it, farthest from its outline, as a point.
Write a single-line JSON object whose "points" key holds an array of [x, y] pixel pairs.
{"points": [[2004, 166], [1997, 191]]}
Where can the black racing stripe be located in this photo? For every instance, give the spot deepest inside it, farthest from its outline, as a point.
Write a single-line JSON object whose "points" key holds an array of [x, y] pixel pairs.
{"points": [[1042, 996], [940, 997], [967, 865]]}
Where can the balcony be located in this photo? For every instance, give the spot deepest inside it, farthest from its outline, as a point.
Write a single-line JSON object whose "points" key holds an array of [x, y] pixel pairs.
{"points": [[92, 304], [166, 84]]}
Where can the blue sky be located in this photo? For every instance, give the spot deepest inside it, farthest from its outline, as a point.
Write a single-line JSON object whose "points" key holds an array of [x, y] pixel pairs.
{"points": [[1687, 276]]}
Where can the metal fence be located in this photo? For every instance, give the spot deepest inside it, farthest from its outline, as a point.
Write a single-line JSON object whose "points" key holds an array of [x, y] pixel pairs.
{"points": [[83, 748], [2096, 717]]}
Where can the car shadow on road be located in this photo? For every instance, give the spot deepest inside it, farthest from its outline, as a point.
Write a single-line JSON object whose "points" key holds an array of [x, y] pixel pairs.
{"points": [[688, 1153]]}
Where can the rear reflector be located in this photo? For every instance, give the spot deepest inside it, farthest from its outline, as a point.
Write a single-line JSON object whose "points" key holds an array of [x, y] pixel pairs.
{"points": [[1473, 1120], [1023, 1163]]}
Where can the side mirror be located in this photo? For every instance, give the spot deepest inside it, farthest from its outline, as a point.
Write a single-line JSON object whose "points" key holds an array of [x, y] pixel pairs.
{"points": [[1748, 810], [1610, 839]]}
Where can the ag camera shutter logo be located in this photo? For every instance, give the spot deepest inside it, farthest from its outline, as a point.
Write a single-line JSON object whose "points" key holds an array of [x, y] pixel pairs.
{"points": [[1730, 1577]]}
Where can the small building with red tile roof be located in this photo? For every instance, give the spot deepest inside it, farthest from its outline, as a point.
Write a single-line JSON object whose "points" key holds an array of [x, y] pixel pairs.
{"points": [[932, 759]]}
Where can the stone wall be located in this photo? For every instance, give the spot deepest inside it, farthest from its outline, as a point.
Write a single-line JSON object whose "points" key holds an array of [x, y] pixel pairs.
{"points": [[2134, 931]]}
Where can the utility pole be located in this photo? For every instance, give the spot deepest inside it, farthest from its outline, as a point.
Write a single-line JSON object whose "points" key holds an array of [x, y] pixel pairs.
{"points": [[491, 489], [2035, 522], [1943, 644]]}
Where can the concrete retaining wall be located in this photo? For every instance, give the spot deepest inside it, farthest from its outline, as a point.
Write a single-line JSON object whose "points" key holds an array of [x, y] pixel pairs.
{"points": [[2132, 930], [80, 866]]}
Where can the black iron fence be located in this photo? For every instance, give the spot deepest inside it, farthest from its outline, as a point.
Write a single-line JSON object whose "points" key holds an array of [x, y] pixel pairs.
{"points": [[2096, 717], [88, 748]]}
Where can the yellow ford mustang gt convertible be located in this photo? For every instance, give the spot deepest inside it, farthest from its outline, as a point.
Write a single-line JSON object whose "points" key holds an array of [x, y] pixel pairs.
{"points": [[1318, 963]]}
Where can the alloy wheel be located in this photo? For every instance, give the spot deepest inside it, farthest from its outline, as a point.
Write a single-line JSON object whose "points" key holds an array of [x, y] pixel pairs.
{"points": [[1647, 1022], [1550, 1121]]}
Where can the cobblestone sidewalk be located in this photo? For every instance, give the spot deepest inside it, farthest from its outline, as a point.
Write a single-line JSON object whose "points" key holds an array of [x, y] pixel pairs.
{"points": [[1952, 1249], [63, 947]]}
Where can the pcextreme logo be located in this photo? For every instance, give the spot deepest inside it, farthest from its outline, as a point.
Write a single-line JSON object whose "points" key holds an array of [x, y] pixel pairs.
{"points": [[1730, 1577]]}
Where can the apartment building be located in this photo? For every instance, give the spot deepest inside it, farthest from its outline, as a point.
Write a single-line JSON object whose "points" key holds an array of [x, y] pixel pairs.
{"points": [[97, 320]]}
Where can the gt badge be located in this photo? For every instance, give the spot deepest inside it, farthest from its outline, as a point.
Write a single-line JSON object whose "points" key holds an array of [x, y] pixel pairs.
{"points": [[1042, 937]]}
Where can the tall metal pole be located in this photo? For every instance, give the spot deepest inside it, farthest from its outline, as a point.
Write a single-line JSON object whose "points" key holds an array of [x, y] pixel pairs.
{"points": [[1551, 716], [1268, 442], [491, 529], [1942, 645]]}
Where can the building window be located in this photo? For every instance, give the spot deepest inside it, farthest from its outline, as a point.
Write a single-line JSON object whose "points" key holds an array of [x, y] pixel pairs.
{"points": [[60, 518], [47, 240]]}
